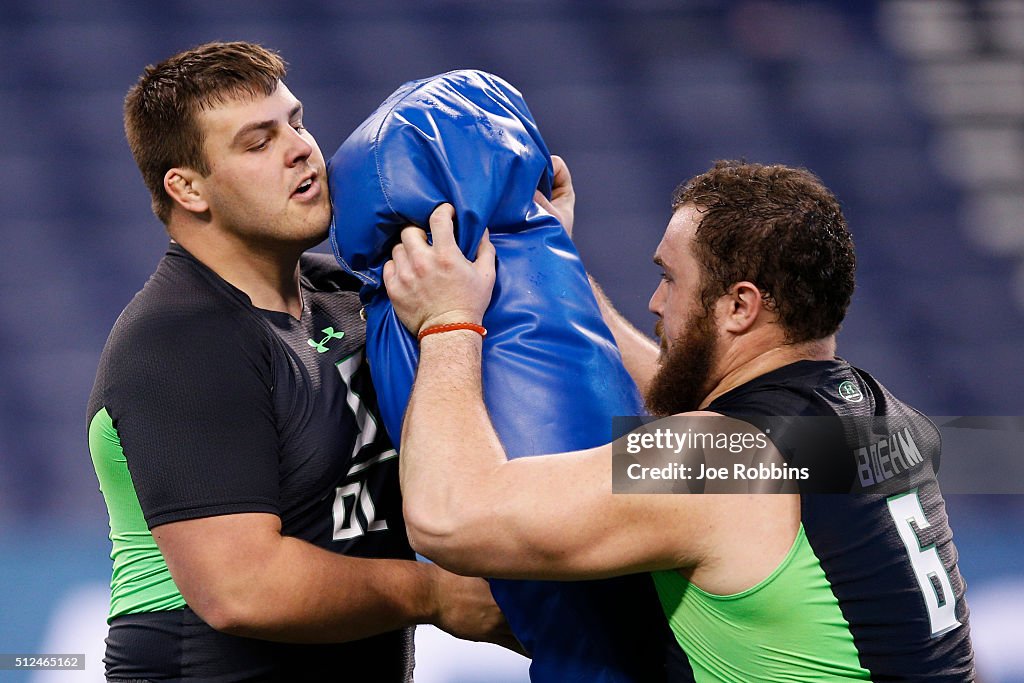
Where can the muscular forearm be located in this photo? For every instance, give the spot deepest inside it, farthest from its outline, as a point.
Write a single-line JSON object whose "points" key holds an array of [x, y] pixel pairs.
{"points": [[473, 511], [243, 577], [310, 595], [639, 352], [454, 455]]}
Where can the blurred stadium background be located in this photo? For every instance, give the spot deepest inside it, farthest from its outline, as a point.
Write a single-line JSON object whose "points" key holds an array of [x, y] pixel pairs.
{"points": [[912, 111]]}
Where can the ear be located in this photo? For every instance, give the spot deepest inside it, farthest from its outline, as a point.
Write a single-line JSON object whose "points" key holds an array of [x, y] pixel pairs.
{"points": [[740, 307], [185, 187]]}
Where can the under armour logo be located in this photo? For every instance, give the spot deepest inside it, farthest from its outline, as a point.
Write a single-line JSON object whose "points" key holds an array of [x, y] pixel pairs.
{"points": [[329, 334], [849, 391]]}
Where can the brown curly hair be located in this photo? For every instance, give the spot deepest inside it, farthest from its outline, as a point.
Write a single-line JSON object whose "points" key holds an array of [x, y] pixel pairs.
{"points": [[160, 110], [781, 229]]}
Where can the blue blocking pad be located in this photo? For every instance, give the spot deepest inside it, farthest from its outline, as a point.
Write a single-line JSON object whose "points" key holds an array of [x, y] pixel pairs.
{"points": [[553, 377]]}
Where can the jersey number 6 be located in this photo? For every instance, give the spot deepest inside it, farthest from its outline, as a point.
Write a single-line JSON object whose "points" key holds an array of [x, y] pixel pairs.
{"points": [[932, 578]]}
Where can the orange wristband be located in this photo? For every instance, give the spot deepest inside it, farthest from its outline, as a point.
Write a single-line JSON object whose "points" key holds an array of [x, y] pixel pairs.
{"points": [[451, 327]]}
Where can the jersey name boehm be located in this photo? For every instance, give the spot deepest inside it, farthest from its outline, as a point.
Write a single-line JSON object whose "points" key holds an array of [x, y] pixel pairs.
{"points": [[887, 457]]}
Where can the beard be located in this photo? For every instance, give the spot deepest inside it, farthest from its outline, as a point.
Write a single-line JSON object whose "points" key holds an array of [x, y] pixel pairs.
{"points": [[683, 378]]}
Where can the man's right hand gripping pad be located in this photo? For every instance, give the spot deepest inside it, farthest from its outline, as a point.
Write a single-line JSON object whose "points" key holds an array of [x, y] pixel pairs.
{"points": [[553, 377]]}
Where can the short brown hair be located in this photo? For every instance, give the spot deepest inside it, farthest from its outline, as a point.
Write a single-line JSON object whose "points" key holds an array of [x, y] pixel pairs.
{"points": [[781, 229], [160, 111]]}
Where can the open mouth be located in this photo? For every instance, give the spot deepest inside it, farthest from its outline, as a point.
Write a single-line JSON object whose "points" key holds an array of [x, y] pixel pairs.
{"points": [[304, 187]]}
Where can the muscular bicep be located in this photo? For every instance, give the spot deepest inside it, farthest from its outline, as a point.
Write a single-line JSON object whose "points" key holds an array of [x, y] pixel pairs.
{"points": [[557, 517], [215, 561]]}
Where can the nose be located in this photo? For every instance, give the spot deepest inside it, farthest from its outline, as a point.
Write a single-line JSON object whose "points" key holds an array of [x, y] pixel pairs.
{"points": [[300, 149], [657, 302]]}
